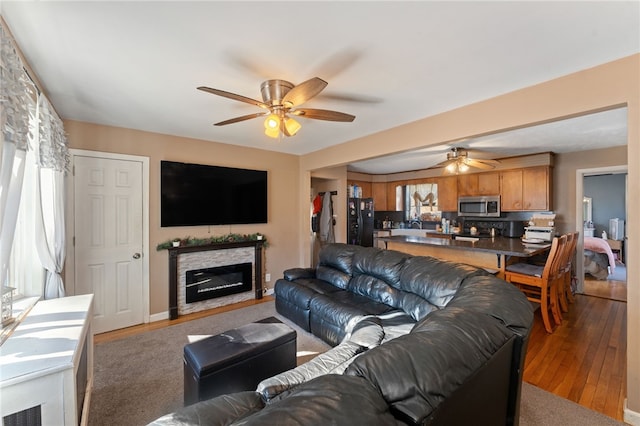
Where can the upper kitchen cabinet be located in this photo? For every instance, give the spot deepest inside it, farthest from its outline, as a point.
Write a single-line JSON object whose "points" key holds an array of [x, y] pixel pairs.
{"points": [[489, 183], [467, 185], [448, 193], [366, 187], [526, 189], [379, 194], [474, 184]]}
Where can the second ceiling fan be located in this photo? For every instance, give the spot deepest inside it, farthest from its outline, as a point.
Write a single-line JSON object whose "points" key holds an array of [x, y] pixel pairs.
{"points": [[280, 99], [458, 161]]}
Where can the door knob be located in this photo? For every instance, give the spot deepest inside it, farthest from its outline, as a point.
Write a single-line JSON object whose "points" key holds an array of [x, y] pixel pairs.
{"points": [[136, 255]]}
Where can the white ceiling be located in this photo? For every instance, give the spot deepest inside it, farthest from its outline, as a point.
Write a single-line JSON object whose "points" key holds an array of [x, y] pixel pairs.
{"points": [[137, 64]]}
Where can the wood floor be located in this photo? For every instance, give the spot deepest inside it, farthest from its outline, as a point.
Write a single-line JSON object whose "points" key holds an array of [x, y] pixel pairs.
{"points": [[584, 360], [611, 289]]}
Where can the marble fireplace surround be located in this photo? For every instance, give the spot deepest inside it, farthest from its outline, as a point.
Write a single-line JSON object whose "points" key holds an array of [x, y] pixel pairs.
{"points": [[184, 258]]}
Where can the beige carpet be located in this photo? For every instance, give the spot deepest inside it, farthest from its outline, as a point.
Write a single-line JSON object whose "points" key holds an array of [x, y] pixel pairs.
{"points": [[138, 379]]}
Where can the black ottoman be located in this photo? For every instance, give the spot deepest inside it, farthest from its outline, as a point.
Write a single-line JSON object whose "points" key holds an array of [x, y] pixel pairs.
{"points": [[237, 360]]}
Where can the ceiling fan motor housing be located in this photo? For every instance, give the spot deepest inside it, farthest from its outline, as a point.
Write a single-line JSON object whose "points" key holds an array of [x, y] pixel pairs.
{"points": [[273, 91]]}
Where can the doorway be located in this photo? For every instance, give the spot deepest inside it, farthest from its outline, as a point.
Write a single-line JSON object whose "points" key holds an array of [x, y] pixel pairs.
{"points": [[108, 205], [601, 263]]}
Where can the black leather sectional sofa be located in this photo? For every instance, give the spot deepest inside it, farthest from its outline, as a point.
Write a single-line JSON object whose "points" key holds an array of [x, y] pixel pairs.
{"points": [[416, 340]]}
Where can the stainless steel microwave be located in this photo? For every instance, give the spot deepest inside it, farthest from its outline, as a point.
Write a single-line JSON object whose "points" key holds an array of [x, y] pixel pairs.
{"points": [[485, 206]]}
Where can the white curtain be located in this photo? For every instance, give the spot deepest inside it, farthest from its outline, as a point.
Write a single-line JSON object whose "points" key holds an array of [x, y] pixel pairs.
{"points": [[53, 163], [28, 122], [17, 105]]}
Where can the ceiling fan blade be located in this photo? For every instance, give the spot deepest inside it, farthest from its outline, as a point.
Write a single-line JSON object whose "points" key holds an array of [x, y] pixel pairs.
{"points": [[323, 114], [284, 129], [304, 91], [233, 96], [478, 164], [238, 119], [445, 163]]}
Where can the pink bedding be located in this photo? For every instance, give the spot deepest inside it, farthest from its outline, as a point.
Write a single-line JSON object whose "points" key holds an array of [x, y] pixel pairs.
{"points": [[600, 246]]}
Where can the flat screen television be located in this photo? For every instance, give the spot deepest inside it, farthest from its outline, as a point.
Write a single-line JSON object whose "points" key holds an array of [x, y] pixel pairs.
{"points": [[197, 194]]}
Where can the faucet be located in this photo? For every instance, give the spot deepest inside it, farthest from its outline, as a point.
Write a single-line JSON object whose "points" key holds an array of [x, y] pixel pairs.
{"points": [[416, 224]]}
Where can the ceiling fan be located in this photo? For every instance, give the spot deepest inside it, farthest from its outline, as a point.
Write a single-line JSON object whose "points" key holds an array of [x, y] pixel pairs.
{"points": [[458, 161], [281, 99]]}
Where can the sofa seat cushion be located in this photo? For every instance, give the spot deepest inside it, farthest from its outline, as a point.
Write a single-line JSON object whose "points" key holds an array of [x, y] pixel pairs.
{"points": [[330, 315], [456, 349], [396, 324], [326, 400]]}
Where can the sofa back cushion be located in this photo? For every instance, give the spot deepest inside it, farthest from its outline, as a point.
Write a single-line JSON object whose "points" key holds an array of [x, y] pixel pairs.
{"points": [[417, 371], [335, 263], [376, 275], [432, 280]]}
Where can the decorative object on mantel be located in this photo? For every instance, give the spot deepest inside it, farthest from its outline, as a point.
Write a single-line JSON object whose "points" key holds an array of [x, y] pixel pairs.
{"points": [[228, 238], [7, 305]]}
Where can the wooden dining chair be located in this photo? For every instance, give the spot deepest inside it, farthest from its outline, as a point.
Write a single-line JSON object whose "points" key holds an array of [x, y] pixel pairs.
{"points": [[565, 292], [540, 282]]}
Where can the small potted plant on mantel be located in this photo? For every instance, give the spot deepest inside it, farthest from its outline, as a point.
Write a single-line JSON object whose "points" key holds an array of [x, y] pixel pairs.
{"points": [[176, 242]]}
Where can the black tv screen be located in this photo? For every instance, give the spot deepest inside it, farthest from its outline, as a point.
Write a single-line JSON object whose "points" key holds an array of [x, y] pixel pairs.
{"points": [[197, 194]]}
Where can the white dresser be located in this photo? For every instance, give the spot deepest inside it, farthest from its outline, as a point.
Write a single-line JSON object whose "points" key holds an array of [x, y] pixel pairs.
{"points": [[46, 365]]}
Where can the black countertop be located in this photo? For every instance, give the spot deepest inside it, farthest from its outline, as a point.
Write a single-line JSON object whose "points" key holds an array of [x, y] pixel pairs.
{"points": [[497, 245]]}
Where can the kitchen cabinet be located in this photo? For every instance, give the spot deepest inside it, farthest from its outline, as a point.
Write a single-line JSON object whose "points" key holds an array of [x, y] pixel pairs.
{"points": [[393, 189], [536, 188], [467, 185], [448, 194], [526, 189], [511, 190], [366, 187], [379, 195], [475, 184], [488, 183]]}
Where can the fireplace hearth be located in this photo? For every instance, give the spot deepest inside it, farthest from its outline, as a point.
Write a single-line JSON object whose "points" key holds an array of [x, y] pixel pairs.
{"points": [[209, 283]]}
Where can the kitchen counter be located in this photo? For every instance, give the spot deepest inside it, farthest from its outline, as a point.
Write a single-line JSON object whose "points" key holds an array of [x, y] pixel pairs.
{"points": [[492, 254]]}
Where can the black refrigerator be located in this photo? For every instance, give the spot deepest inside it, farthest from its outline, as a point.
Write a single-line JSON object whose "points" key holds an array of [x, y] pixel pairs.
{"points": [[360, 221]]}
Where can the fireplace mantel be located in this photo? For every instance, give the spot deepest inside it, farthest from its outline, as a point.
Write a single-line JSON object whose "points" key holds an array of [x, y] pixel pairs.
{"points": [[174, 252]]}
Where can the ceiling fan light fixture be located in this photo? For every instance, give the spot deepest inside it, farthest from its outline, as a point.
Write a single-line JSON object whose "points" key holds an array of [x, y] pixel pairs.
{"points": [[272, 122], [272, 133], [291, 125]]}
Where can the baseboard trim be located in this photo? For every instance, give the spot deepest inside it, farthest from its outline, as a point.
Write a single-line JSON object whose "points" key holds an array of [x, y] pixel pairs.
{"points": [[159, 316], [631, 417]]}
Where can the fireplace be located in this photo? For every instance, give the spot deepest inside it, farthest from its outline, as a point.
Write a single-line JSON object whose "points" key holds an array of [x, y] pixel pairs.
{"points": [[207, 259], [209, 283]]}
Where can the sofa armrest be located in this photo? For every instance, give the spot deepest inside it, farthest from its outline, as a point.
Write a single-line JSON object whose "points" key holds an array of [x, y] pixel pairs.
{"points": [[220, 411], [297, 273]]}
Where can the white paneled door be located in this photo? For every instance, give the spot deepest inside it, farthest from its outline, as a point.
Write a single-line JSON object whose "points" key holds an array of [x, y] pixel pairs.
{"points": [[108, 227]]}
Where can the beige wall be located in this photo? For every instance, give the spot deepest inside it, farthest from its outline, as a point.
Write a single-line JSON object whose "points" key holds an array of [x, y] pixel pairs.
{"points": [[564, 178], [282, 171], [606, 86]]}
